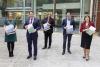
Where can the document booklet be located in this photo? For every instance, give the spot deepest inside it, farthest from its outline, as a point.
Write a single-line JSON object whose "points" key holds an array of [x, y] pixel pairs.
{"points": [[31, 28], [46, 26], [91, 30], [69, 29], [10, 29]]}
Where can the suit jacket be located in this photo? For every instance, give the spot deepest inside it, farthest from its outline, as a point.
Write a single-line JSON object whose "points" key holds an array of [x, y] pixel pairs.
{"points": [[64, 23], [36, 25], [51, 21]]}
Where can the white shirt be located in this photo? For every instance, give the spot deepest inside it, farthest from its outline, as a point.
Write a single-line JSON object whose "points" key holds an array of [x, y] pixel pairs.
{"points": [[31, 20], [68, 22]]}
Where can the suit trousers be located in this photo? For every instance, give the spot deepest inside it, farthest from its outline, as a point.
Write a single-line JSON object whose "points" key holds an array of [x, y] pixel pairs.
{"points": [[65, 37], [32, 40], [47, 36]]}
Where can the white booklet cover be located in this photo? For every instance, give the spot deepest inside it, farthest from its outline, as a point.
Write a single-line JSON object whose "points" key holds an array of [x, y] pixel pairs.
{"points": [[91, 30], [46, 26], [31, 28], [69, 29], [9, 29]]}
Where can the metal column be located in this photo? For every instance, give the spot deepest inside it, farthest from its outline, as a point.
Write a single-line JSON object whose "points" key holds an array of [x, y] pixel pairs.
{"points": [[34, 7], [24, 11], [81, 12]]}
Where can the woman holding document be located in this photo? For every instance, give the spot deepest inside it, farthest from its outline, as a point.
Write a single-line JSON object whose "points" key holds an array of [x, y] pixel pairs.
{"points": [[10, 33], [48, 24], [87, 28]]}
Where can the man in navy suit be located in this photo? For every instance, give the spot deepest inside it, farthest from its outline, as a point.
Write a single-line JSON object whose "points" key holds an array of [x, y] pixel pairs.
{"points": [[67, 23], [33, 36]]}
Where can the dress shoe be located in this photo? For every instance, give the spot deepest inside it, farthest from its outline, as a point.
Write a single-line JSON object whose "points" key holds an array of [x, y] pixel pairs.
{"points": [[35, 58], [69, 52], [29, 57], [44, 48], [49, 47], [63, 53], [87, 59], [9, 55], [84, 57], [12, 55]]}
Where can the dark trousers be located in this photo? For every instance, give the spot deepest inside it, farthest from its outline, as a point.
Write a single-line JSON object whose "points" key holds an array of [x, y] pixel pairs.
{"points": [[34, 42], [65, 37], [47, 36], [10, 46]]}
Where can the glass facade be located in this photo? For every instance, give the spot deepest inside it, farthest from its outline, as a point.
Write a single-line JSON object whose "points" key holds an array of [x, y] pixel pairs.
{"points": [[79, 8], [61, 8], [18, 3], [40, 3]]}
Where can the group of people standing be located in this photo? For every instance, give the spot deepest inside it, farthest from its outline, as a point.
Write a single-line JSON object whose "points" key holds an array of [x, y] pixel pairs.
{"points": [[48, 23]]}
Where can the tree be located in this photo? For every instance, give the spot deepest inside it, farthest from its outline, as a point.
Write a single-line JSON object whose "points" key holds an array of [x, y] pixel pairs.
{"points": [[3, 7]]}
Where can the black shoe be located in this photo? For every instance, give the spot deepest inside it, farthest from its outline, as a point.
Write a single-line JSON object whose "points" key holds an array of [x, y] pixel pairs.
{"points": [[84, 57], [29, 57], [63, 53], [69, 52], [87, 59], [12, 55], [49, 47], [9, 54], [44, 48], [35, 58]]}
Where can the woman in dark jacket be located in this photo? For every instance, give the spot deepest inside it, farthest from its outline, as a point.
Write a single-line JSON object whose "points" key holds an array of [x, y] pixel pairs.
{"points": [[11, 37], [86, 38]]}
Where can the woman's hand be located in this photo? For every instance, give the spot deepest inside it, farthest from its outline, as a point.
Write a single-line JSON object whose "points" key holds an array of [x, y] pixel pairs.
{"points": [[4, 28], [85, 30], [14, 30]]}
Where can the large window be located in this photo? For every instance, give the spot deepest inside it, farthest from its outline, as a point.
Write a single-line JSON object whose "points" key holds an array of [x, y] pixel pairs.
{"points": [[18, 3], [15, 3], [28, 3], [40, 2]]}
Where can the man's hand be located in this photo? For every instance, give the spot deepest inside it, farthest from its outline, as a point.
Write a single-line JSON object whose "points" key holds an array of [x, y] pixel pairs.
{"points": [[26, 27], [65, 27]]}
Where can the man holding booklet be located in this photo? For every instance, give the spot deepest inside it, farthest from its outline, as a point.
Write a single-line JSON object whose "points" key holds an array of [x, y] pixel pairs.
{"points": [[48, 24], [68, 25], [32, 25]]}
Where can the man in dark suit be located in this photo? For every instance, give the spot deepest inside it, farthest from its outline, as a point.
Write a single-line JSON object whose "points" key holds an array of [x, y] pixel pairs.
{"points": [[67, 24], [32, 36], [48, 32]]}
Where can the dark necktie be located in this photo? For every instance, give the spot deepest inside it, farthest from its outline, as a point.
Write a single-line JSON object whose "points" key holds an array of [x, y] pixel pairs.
{"points": [[31, 20]]}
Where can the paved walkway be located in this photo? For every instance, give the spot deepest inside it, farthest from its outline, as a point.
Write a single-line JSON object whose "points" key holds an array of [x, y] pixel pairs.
{"points": [[49, 57]]}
